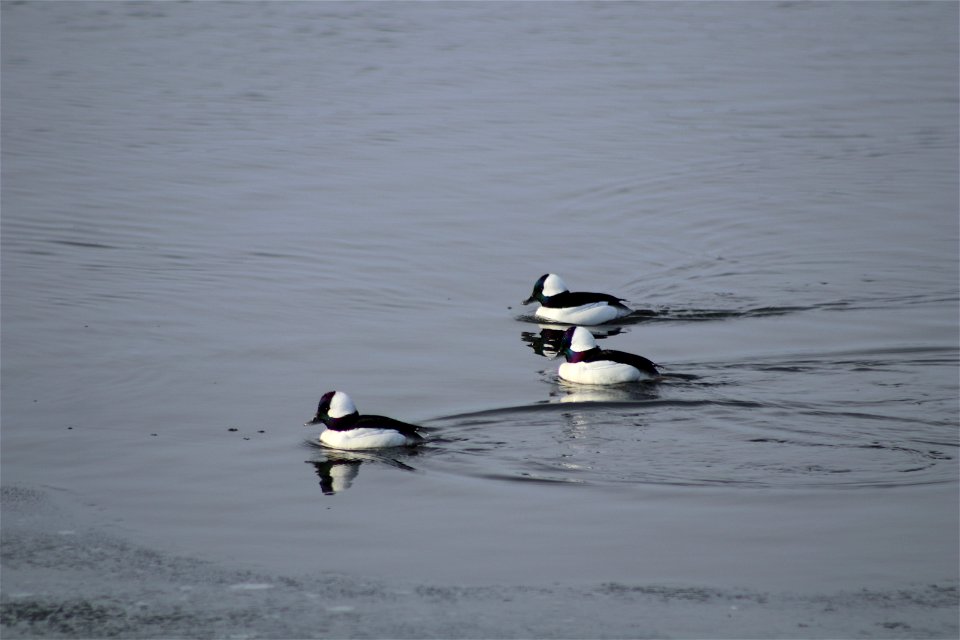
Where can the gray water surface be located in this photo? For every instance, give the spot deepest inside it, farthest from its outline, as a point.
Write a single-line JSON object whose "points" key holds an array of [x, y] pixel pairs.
{"points": [[213, 213]]}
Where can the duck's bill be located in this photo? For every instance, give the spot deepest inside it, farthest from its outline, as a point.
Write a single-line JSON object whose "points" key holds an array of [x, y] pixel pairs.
{"points": [[528, 300], [312, 422]]}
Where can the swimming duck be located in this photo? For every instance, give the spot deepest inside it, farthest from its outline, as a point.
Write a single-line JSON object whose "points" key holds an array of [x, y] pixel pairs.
{"points": [[589, 364], [347, 429], [559, 304]]}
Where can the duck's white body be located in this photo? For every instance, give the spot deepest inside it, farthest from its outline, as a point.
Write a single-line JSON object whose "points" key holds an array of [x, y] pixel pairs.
{"points": [[587, 314], [600, 372], [364, 438]]}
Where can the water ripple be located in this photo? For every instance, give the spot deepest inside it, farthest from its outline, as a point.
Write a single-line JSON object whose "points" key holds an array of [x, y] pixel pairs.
{"points": [[695, 443]]}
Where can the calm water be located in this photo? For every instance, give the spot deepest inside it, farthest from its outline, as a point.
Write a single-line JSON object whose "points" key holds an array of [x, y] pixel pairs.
{"points": [[212, 213]]}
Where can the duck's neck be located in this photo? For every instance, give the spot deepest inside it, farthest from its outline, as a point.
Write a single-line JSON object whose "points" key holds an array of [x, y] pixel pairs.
{"points": [[581, 356], [342, 423]]}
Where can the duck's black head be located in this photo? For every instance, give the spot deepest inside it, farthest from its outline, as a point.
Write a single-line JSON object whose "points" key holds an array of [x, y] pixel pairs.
{"points": [[576, 343], [334, 408], [537, 290], [547, 286]]}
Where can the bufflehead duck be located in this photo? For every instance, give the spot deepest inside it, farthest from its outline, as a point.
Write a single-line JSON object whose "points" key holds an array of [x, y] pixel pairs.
{"points": [[559, 304], [589, 364], [347, 429]]}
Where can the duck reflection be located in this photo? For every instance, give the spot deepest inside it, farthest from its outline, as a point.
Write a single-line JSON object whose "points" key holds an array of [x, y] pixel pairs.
{"points": [[338, 469], [547, 341], [564, 391], [335, 475]]}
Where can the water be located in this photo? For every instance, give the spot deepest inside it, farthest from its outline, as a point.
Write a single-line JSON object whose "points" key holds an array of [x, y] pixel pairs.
{"points": [[213, 213]]}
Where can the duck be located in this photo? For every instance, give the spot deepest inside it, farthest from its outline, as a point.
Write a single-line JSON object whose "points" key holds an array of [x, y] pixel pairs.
{"points": [[586, 363], [347, 429], [559, 304]]}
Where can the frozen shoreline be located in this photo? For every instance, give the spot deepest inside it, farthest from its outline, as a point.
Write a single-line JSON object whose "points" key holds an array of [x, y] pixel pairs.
{"points": [[61, 579]]}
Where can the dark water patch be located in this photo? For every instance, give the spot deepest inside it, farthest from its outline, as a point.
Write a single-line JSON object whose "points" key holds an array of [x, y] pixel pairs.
{"points": [[274, 255], [75, 618], [871, 417], [873, 357], [704, 315], [587, 405], [38, 252], [83, 245], [532, 476], [693, 594], [872, 363]]}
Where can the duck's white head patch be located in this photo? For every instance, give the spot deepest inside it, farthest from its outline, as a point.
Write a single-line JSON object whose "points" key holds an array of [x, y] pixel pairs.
{"points": [[553, 285], [341, 405], [582, 340]]}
